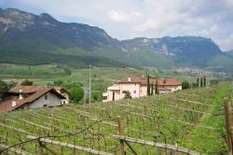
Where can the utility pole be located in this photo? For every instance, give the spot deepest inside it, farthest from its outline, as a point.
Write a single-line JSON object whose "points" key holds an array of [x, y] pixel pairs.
{"points": [[121, 133], [89, 84], [227, 108], [84, 97]]}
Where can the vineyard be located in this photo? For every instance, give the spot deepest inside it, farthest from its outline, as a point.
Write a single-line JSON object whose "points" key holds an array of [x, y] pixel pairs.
{"points": [[185, 122]]}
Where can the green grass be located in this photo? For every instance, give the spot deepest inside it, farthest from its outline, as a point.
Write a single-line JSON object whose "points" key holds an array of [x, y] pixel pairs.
{"points": [[174, 119], [102, 77]]}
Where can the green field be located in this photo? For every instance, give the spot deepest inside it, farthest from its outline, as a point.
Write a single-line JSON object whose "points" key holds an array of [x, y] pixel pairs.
{"points": [[193, 119], [102, 77], [42, 74], [55, 72]]}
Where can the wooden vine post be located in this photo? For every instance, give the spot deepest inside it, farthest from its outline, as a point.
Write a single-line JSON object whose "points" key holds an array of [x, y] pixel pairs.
{"points": [[41, 149], [227, 108], [120, 130]]}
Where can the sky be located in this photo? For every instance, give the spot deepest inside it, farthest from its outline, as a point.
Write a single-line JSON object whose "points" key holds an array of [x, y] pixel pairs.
{"points": [[128, 19]]}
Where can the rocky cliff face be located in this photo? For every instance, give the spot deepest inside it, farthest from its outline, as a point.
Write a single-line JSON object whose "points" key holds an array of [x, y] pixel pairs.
{"points": [[15, 23], [186, 50], [24, 36]]}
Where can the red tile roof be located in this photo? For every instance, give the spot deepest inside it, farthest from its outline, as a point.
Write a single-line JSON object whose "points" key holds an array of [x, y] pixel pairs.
{"points": [[168, 82], [60, 90], [31, 93], [133, 79], [143, 81]]}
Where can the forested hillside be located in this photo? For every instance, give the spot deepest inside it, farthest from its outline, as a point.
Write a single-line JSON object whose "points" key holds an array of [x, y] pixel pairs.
{"points": [[31, 39]]}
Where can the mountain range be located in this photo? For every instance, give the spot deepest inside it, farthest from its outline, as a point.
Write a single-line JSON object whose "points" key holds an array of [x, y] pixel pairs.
{"points": [[230, 53], [26, 38]]}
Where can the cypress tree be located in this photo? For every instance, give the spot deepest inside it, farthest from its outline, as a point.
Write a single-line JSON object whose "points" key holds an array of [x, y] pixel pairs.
{"points": [[113, 96], [148, 85], [204, 81], [198, 82], [201, 82], [152, 89], [156, 87]]}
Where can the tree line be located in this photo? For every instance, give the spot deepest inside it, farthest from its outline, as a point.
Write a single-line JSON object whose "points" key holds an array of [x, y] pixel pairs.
{"points": [[200, 82], [151, 87]]}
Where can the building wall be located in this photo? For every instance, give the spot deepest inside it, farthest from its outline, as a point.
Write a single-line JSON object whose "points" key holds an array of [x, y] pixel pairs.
{"points": [[143, 90], [52, 100], [65, 101], [110, 95], [174, 88], [136, 90], [133, 88]]}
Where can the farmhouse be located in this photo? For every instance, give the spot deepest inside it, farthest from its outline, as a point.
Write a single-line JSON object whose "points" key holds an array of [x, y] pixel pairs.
{"points": [[64, 93], [24, 97], [137, 87]]}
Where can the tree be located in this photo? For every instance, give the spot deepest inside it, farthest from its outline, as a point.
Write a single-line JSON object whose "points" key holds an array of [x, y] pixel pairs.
{"points": [[156, 88], [204, 81], [148, 84], [198, 82], [201, 82], [185, 85], [11, 84], [152, 89], [113, 96], [68, 71], [127, 94], [76, 93], [58, 83], [214, 81], [95, 97], [26, 83], [194, 85], [3, 86]]}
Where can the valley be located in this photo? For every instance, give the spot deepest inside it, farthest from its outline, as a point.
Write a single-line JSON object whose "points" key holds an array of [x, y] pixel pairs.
{"points": [[38, 51]]}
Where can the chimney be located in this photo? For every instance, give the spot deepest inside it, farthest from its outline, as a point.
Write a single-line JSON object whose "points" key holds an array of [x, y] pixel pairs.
{"points": [[129, 79], [20, 95], [13, 103]]}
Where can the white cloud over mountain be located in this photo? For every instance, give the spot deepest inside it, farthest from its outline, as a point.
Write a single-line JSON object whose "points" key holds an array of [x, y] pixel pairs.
{"points": [[125, 19]]}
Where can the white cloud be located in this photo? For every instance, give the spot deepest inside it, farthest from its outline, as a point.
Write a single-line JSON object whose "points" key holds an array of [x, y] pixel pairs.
{"points": [[133, 18], [226, 44], [1, 2], [121, 16]]}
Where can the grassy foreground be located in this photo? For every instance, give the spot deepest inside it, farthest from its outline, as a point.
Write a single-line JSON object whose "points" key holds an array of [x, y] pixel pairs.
{"points": [[193, 119]]}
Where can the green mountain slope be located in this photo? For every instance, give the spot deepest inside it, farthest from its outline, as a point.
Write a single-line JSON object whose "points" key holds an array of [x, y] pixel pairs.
{"points": [[31, 39], [183, 51], [26, 38]]}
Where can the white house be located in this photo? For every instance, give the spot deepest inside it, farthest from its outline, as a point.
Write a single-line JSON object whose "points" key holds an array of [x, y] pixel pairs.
{"points": [[137, 87], [24, 97]]}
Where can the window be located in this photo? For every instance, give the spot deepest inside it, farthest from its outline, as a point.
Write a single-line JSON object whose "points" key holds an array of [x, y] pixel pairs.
{"points": [[46, 97], [134, 91]]}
